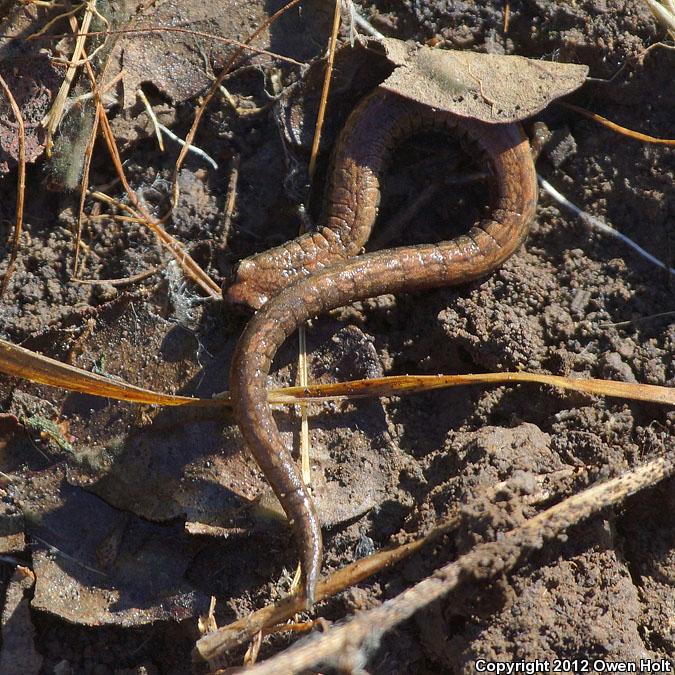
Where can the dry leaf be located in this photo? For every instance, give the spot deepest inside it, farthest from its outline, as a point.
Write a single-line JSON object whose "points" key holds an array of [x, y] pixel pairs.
{"points": [[488, 87], [18, 653], [176, 63], [95, 565], [32, 79]]}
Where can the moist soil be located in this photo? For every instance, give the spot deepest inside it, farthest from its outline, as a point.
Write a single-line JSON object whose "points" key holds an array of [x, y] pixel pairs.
{"points": [[572, 301]]}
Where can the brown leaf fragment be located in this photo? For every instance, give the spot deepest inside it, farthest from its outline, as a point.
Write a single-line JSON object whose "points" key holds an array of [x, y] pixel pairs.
{"points": [[18, 653], [489, 87], [96, 565], [32, 79], [178, 64]]}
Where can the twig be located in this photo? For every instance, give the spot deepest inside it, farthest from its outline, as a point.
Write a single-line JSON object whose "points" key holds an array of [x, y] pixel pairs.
{"points": [[191, 148], [232, 636], [600, 225], [88, 153], [483, 563], [230, 200], [153, 118], [212, 645], [21, 185]]}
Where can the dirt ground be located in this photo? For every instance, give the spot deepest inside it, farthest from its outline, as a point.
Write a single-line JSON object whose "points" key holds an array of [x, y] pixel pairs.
{"points": [[131, 518]]}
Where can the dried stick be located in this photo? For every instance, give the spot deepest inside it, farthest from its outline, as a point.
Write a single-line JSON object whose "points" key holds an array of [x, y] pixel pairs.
{"points": [[189, 266], [244, 46], [88, 153], [483, 563], [21, 186], [212, 645], [53, 117]]}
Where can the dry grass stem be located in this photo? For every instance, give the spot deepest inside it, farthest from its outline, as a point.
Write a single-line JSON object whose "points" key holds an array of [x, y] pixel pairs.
{"points": [[56, 19], [397, 385], [84, 185], [20, 362], [191, 269], [623, 131], [21, 185], [302, 337], [191, 148], [323, 103], [153, 118], [53, 118], [598, 224], [183, 258]]}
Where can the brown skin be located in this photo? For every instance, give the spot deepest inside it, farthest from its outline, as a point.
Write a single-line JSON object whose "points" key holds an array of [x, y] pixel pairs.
{"points": [[314, 273]]}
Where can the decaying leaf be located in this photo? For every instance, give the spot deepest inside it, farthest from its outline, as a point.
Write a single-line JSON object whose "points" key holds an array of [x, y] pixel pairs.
{"points": [[111, 527], [177, 63], [192, 463], [18, 653], [95, 565], [489, 87], [32, 79]]}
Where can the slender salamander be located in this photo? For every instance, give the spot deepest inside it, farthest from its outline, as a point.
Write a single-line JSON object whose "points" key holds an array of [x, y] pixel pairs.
{"points": [[316, 272]]}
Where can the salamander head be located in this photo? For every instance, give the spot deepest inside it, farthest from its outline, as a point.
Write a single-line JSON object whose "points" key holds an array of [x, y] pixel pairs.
{"points": [[241, 287]]}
